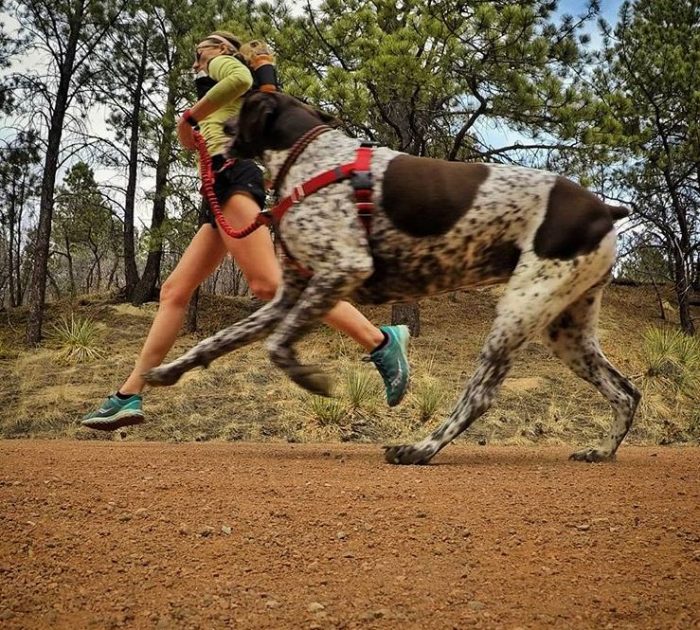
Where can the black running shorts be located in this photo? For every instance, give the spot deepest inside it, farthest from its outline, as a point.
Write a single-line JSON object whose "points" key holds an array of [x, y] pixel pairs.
{"points": [[240, 176]]}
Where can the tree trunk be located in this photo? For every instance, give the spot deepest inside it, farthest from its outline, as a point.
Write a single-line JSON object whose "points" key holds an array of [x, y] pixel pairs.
{"points": [[71, 273], [131, 273], [409, 314], [682, 287], [16, 249], [11, 256], [193, 308], [146, 287], [37, 289]]}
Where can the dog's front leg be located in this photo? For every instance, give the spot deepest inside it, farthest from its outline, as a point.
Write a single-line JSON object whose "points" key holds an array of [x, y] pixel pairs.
{"points": [[252, 328], [320, 296]]}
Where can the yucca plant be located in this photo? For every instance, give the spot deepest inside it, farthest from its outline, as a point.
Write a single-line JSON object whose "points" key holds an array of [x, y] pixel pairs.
{"points": [[77, 339], [429, 395], [673, 356], [362, 387], [327, 411]]}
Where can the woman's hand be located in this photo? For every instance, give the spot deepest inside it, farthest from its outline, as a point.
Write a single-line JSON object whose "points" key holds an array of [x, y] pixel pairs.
{"points": [[185, 135]]}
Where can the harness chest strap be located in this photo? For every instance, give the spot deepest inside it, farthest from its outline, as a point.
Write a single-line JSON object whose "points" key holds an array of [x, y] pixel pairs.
{"points": [[361, 179]]}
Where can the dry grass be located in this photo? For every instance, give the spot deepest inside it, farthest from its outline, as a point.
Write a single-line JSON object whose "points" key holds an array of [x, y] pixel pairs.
{"points": [[243, 397]]}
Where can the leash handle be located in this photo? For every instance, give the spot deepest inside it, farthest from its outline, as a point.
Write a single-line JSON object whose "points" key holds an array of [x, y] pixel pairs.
{"points": [[205, 174]]}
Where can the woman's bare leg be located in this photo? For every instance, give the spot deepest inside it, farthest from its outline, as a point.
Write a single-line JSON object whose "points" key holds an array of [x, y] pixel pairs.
{"points": [[256, 257], [202, 256]]}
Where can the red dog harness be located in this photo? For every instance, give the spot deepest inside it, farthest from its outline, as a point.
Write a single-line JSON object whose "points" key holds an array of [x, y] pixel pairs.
{"points": [[359, 174]]}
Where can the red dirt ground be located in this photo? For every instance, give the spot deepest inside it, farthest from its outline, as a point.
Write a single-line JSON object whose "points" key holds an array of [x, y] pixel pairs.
{"points": [[220, 535]]}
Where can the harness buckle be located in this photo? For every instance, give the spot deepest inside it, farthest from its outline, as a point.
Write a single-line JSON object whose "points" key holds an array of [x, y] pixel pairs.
{"points": [[362, 181]]}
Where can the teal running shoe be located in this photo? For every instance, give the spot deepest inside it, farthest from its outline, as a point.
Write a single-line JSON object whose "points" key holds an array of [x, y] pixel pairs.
{"points": [[392, 363], [115, 413]]}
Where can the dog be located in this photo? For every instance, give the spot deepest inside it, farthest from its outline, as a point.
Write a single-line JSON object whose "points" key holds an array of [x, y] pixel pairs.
{"points": [[437, 226]]}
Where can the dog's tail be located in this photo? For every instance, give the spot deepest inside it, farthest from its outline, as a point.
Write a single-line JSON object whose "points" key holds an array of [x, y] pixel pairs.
{"points": [[618, 212]]}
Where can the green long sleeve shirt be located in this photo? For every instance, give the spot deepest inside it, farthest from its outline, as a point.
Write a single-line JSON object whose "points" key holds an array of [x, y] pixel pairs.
{"points": [[233, 81]]}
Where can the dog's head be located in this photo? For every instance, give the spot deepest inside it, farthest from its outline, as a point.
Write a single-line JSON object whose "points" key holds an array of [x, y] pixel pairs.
{"points": [[272, 121]]}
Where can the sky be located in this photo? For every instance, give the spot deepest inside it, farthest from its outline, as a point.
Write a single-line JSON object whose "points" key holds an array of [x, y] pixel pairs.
{"points": [[608, 8]]}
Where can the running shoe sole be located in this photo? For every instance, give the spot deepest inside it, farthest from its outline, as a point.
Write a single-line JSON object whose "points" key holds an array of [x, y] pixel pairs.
{"points": [[124, 418]]}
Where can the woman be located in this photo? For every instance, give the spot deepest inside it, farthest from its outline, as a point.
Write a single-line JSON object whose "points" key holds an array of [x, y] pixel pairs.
{"points": [[222, 80]]}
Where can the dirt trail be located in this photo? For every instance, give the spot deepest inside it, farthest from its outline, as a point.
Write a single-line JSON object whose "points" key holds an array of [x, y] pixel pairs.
{"points": [[216, 535]]}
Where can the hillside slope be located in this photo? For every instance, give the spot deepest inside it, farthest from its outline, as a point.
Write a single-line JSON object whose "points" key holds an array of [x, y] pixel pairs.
{"points": [[242, 396]]}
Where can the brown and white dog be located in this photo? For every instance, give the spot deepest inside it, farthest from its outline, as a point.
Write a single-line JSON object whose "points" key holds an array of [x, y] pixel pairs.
{"points": [[437, 226]]}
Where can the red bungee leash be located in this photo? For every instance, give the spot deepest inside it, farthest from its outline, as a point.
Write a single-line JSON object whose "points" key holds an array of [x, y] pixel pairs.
{"points": [[207, 177]]}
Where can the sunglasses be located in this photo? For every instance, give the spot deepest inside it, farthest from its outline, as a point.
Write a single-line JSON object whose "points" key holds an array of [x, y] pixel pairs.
{"points": [[199, 49]]}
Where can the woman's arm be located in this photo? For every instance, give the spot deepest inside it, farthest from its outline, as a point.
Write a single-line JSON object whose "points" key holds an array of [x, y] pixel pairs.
{"points": [[233, 81]]}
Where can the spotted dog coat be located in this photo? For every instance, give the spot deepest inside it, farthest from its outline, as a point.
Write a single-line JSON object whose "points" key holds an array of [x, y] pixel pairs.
{"points": [[438, 226]]}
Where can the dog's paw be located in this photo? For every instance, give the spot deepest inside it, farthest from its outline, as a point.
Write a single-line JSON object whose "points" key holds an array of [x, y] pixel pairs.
{"points": [[407, 454], [312, 379], [592, 455]]}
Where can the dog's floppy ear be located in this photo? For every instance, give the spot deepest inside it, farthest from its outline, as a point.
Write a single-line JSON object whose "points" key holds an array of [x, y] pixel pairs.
{"points": [[256, 113], [326, 118]]}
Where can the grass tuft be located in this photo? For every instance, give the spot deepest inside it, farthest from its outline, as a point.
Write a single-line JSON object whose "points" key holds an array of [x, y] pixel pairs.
{"points": [[78, 339], [429, 394], [362, 388], [327, 412], [674, 357]]}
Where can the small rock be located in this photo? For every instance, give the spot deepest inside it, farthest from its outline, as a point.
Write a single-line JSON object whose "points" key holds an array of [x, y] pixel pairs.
{"points": [[583, 527], [207, 530], [183, 529], [315, 607], [141, 512], [272, 603], [341, 535], [125, 517], [475, 604], [226, 530]]}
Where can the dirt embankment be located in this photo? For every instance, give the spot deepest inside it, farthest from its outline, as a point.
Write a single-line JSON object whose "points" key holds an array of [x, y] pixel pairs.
{"points": [[106, 535]]}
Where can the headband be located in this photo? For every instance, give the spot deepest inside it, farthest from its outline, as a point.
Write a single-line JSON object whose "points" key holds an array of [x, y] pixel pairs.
{"points": [[223, 40]]}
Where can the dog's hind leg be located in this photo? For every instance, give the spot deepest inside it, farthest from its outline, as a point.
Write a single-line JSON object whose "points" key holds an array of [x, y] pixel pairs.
{"points": [[252, 328], [536, 293], [572, 337]]}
